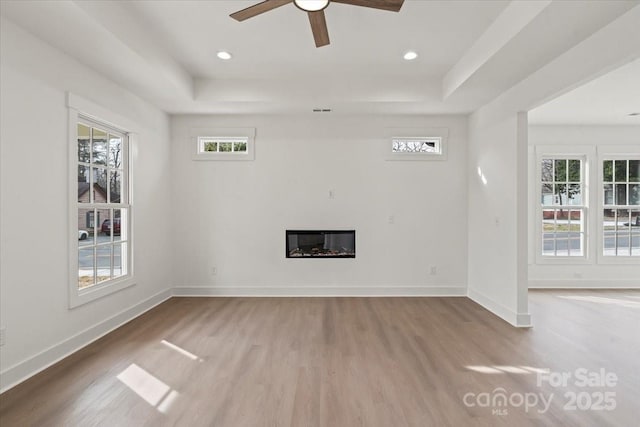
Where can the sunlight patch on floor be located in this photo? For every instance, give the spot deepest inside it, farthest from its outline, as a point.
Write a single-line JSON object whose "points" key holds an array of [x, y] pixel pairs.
{"points": [[505, 369], [155, 392], [181, 350], [603, 300]]}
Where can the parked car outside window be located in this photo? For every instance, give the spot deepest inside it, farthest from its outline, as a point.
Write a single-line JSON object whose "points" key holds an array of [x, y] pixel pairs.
{"points": [[106, 226]]}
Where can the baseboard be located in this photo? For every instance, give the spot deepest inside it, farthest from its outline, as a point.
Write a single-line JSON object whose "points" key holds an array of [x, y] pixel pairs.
{"points": [[18, 373], [584, 284], [520, 320], [320, 291]]}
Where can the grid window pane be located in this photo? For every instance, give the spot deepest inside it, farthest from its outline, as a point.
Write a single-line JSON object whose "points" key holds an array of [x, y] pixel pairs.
{"points": [[547, 194], [115, 151], [84, 143], [547, 170], [621, 170], [119, 216], [574, 170], [560, 191], [634, 170], [210, 147], [86, 226], [84, 195], [99, 141], [240, 147], [103, 258], [574, 192], [607, 171], [86, 267], [608, 194], [115, 186], [621, 194], [634, 194], [560, 167], [119, 257]]}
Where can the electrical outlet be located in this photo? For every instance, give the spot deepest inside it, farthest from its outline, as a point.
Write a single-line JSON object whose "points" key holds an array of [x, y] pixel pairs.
{"points": [[392, 219], [213, 271], [433, 270], [2, 333], [332, 194]]}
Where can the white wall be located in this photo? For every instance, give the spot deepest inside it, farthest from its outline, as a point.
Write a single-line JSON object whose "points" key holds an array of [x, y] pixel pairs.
{"points": [[590, 273], [233, 215], [34, 206], [497, 214]]}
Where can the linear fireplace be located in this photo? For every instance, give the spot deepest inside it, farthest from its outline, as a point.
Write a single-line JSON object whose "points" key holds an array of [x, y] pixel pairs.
{"points": [[321, 243]]}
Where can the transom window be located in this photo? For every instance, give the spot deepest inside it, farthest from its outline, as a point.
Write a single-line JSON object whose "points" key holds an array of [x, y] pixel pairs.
{"points": [[103, 207], [563, 207], [621, 207], [208, 144], [223, 144], [417, 145]]}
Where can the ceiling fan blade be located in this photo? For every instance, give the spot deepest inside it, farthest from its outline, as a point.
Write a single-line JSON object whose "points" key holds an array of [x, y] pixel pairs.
{"points": [[319, 28], [391, 5], [257, 9]]}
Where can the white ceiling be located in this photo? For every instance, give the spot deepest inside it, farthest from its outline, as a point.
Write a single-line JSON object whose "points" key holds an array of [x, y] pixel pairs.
{"points": [[164, 51], [607, 100], [279, 43]]}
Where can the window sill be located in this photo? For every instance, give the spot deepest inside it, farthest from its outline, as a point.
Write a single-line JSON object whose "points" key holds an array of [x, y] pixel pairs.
{"points": [[84, 296], [562, 260]]}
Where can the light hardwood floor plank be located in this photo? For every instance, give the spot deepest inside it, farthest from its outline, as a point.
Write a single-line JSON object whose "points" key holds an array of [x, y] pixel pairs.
{"points": [[338, 362]]}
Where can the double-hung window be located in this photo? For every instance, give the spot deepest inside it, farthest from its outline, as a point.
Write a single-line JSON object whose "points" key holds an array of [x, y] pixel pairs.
{"points": [[101, 209], [620, 207], [563, 206]]}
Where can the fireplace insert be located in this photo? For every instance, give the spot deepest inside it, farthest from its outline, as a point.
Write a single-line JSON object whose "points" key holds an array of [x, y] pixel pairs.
{"points": [[321, 243]]}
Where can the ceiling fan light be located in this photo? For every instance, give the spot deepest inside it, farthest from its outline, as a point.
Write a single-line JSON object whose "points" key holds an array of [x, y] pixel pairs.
{"points": [[311, 5]]}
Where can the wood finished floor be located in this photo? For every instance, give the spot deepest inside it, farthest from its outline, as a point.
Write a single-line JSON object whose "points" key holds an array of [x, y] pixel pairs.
{"points": [[338, 362]]}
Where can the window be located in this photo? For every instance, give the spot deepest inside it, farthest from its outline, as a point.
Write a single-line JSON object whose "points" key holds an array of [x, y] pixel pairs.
{"points": [[103, 208], [417, 145], [208, 144], [100, 244], [621, 207], [224, 144], [562, 197], [403, 144]]}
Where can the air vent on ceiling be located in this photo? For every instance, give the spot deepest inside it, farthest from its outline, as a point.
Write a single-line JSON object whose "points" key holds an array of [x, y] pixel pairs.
{"points": [[322, 110]]}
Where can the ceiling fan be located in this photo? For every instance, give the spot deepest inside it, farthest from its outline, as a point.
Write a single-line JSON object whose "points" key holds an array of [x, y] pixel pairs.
{"points": [[315, 10]]}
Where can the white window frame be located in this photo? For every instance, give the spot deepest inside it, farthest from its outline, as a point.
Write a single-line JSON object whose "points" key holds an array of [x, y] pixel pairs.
{"points": [[79, 108], [614, 152], [584, 154], [200, 135], [438, 135]]}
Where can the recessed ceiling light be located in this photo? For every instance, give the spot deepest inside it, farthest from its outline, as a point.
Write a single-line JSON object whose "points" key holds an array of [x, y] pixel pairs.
{"points": [[410, 56], [224, 55]]}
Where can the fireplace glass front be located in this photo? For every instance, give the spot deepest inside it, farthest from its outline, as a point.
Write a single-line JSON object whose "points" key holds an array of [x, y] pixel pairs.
{"points": [[321, 243]]}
